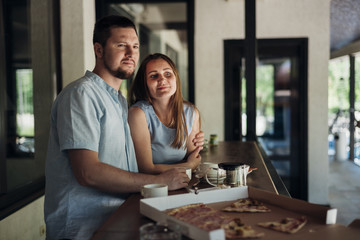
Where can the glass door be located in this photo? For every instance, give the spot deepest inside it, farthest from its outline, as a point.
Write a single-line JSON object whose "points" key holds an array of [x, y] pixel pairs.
{"points": [[274, 113], [281, 105]]}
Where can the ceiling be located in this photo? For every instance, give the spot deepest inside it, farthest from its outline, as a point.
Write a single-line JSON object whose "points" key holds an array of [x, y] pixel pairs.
{"points": [[344, 20], [344, 23]]}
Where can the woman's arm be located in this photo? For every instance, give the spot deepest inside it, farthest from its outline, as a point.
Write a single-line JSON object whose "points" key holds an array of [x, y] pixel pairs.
{"points": [[195, 142], [194, 132], [142, 143]]}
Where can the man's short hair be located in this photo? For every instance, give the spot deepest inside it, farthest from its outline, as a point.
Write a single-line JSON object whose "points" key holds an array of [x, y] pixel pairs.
{"points": [[105, 24]]}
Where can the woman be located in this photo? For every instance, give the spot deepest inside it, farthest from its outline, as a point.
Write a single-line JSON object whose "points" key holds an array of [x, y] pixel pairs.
{"points": [[163, 126]]}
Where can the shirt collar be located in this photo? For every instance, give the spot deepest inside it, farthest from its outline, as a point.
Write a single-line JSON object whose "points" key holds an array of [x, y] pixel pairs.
{"points": [[101, 82]]}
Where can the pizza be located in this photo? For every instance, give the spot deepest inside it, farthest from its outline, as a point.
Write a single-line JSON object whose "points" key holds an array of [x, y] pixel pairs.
{"points": [[287, 225], [236, 229], [209, 219], [247, 205]]}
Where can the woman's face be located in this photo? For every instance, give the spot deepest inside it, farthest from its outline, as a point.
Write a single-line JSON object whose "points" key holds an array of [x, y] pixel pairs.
{"points": [[160, 79]]}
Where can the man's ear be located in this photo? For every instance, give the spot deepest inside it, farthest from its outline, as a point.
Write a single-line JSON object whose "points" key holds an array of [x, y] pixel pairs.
{"points": [[98, 49]]}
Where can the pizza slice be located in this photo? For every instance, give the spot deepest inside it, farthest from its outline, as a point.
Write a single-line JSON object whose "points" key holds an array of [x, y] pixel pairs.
{"points": [[286, 225], [188, 212], [209, 219], [236, 229], [247, 205]]}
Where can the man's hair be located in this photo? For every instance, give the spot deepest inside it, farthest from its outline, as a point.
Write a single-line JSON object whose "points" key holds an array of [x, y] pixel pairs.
{"points": [[105, 24]]}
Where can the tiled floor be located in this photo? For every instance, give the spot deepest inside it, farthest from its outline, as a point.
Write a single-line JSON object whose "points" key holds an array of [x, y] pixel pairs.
{"points": [[344, 190]]}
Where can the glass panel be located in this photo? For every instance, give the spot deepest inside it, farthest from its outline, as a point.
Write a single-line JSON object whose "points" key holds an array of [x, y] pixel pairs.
{"points": [[243, 100], [25, 111], [338, 105], [21, 168], [265, 100], [357, 110], [273, 119], [162, 27]]}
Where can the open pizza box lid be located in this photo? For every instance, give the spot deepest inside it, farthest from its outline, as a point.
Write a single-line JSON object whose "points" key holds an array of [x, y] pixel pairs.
{"points": [[321, 219]]}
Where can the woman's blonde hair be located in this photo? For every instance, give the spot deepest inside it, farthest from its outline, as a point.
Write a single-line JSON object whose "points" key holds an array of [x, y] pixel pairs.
{"points": [[139, 91]]}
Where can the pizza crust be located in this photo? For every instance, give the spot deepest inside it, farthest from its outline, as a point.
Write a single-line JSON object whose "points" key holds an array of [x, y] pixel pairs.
{"points": [[247, 205]]}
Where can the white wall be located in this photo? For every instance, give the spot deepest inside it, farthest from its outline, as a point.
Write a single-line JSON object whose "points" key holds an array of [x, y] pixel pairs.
{"points": [[25, 224], [217, 20], [77, 25]]}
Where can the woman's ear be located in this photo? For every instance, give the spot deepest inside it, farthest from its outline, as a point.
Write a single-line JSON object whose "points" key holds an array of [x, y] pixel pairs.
{"points": [[98, 49]]}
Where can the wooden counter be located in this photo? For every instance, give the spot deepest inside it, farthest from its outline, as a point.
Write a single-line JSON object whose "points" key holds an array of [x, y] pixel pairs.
{"points": [[125, 222]]}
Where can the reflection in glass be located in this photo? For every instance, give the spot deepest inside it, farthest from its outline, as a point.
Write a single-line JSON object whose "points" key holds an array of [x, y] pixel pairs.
{"points": [[357, 111], [338, 105], [273, 106], [273, 119], [25, 111]]}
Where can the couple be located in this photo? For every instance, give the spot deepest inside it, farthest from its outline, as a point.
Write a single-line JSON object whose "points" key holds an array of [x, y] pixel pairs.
{"points": [[92, 164]]}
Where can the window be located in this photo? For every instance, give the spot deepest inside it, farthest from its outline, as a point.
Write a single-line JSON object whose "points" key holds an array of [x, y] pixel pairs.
{"points": [[25, 72], [344, 108]]}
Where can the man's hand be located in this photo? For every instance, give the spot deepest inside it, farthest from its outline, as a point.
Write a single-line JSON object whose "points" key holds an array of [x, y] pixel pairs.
{"points": [[175, 178]]}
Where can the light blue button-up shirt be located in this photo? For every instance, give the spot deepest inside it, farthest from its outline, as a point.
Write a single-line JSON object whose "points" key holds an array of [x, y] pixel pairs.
{"points": [[87, 114]]}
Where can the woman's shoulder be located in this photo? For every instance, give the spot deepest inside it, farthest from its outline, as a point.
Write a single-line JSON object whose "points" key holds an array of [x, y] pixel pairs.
{"points": [[136, 114], [189, 107], [144, 105]]}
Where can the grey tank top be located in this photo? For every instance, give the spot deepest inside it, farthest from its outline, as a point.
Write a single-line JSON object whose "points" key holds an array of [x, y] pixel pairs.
{"points": [[162, 136]]}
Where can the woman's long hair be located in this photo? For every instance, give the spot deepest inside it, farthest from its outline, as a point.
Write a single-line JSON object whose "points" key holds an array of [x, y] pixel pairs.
{"points": [[139, 91]]}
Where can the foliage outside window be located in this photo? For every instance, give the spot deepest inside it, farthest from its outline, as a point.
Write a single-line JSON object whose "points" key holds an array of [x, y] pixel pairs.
{"points": [[25, 107]]}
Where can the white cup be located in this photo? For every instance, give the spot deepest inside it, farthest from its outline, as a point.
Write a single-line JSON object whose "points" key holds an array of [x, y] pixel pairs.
{"points": [[217, 176], [154, 190], [188, 171], [242, 174], [208, 168]]}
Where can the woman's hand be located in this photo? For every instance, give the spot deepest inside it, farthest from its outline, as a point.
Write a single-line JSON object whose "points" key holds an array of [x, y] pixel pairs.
{"points": [[198, 140], [194, 159]]}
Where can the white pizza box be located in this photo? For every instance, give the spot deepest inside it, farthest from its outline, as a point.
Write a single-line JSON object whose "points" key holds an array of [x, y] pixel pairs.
{"points": [[281, 206]]}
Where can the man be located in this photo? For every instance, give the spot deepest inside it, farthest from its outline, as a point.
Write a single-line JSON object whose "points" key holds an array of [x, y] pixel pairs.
{"points": [[91, 165]]}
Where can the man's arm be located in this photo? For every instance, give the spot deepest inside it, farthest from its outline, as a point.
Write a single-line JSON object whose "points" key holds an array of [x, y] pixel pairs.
{"points": [[89, 171]]}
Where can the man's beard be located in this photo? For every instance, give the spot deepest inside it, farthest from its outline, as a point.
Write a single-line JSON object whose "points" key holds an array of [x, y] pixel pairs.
{"points": [[119, 73]]}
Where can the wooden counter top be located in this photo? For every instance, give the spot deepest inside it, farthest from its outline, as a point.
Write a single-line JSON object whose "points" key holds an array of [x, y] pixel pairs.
{"points": [[243, 152], [125, 222]]}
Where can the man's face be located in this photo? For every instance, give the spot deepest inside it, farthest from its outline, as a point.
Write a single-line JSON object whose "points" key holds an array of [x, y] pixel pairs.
{"points": [[121, 52]]}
